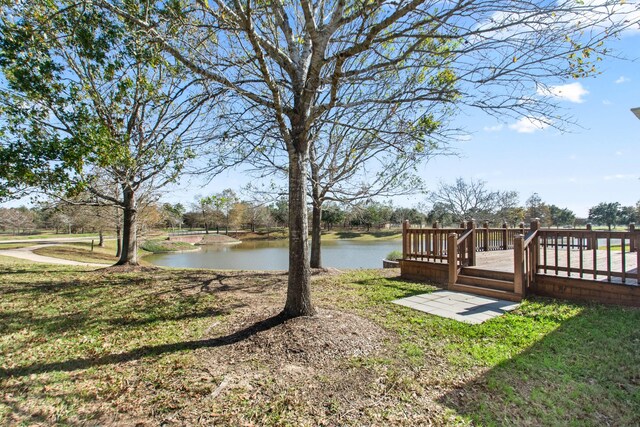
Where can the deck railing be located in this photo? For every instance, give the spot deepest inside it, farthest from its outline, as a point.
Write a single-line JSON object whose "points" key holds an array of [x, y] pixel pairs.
{"points": [[525, 260], [430, 244], [590, 254], [426, 244]]}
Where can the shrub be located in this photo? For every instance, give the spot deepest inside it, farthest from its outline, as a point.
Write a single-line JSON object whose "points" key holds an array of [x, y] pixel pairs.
{"points": [[394, 255]]}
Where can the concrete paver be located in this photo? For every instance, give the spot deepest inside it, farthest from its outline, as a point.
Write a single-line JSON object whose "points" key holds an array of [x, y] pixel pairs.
{"points": [[459, 306]]}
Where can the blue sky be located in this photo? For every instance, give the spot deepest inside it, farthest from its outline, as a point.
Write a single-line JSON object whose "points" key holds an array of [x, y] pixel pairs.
{"points": [[596, 160]]}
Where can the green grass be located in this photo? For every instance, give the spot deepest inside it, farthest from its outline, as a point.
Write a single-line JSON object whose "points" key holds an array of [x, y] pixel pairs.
{"points": [[616, 248], [81, 252], [548, 363], [45, 235], [73, 341], [159, 246], [5, 246], [363, 235], [79, 347], [394, 255]]}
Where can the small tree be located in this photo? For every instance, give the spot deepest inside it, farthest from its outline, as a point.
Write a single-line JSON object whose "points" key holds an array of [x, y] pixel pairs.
{"points": [[536, 208], [173, 215], [561, 216], [605, 214], [628, 214], [91, 108]]}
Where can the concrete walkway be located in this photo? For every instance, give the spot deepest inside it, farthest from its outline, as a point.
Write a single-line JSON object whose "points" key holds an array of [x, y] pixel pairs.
{"points": [[27, 253], [467, 308]]}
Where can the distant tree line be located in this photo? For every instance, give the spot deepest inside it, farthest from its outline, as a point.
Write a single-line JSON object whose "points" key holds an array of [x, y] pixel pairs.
{"points": [[226, 211]]}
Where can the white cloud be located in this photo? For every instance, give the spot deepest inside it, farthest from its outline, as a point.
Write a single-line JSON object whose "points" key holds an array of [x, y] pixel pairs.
{"points": [[604, 14], [619, 176], [622, 79], [496, 128], [619, 153], [571, 16], [572, 92], [573, 179], [573, 157], [607, 102], [529, 125]]}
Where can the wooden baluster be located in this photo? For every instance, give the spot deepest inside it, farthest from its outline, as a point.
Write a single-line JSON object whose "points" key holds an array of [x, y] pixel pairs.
{"points": [[556, 252], [632, 241], [452, 257], [590, 240], [568, 255], [609, 258], [535, 227], [518, 265], [624, 261], [405, 226], [485, 232], [581, 250], [505, 246], [471, 246], [594, 250], [544, 256]]}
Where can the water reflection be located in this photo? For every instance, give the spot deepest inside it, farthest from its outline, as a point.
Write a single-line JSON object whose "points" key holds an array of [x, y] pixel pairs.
{"points": [[274, 255]]}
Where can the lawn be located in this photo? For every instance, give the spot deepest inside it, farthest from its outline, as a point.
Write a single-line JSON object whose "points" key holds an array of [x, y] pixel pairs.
{"points": [[82, 252], [363, 235], [46, 234], [187, 347]]}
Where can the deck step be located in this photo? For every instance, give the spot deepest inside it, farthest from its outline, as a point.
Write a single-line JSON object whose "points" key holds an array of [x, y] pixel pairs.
{"points": [[489, 274], [502, 285], [486, 292]]}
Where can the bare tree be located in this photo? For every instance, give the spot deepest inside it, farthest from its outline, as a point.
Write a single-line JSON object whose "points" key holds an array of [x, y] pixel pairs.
{"points": [[465, 200], [285, 66]]}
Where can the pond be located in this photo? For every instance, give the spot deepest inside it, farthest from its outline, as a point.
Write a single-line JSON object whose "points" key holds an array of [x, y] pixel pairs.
{"points": [[274, 255]]}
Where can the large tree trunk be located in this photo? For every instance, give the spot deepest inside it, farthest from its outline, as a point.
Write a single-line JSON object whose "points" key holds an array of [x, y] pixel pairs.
{"points": [[101, 237], [316, 234], [118, 241], [316, 216], [129, 255], [298, 289]]}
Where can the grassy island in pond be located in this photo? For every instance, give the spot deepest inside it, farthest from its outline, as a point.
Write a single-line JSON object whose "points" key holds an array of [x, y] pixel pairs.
{"points": [[154, 346], [160, 246]]}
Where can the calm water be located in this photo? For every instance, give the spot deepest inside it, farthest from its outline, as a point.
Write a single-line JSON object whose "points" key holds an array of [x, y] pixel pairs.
{"points": [[274, 255]]}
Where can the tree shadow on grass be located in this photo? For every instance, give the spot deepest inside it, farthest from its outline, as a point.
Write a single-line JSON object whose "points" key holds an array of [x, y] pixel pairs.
{"points": [[585, 372], [145, 351], [395, 287]]}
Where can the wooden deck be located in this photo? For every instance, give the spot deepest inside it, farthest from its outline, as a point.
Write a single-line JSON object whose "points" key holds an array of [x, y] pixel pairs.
{"points": [[503, 261], [591, 265]]}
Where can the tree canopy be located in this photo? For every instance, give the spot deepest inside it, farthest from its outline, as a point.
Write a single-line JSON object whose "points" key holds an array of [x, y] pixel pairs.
{"points": [[89, 107]]}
